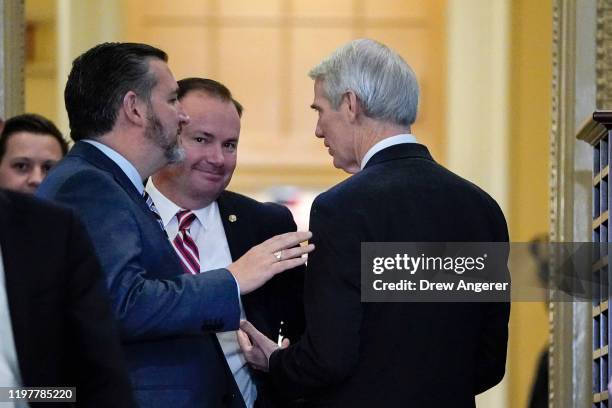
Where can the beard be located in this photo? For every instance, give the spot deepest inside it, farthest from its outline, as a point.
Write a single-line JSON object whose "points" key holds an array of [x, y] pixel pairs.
{"points": [[173, 153]]}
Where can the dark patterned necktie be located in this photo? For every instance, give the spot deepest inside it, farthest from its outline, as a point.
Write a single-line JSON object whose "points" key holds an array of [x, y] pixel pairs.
{"points": [[153, 209]]}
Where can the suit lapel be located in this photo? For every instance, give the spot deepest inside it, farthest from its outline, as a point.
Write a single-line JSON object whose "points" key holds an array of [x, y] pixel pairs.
{"points": [[94, 156], [14, 243], [237, 228], [240, 238]]}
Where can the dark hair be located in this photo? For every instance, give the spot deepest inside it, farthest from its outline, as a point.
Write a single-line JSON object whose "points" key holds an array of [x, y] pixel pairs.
{"points": [[99, 80], [31, 123], [210, 87]]}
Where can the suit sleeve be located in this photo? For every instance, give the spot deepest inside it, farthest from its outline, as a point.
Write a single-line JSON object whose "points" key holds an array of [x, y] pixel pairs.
{"points": [[146, 307], [328, 351], [491, 359], [292, 288], [100, 374]]}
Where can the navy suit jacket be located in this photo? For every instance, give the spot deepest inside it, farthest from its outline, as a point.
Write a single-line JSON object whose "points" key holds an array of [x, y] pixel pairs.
{"points": [[356, 354], [281, 298], [65, 334], [164, 315]]}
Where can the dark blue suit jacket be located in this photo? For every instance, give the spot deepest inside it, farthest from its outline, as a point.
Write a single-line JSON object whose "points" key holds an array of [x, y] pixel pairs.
{"points": [[356, 354], [164, 315]]}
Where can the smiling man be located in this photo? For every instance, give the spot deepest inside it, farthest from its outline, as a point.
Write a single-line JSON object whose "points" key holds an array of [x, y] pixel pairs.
{"points": [[224, 224], [30, 145], [125, 117]]}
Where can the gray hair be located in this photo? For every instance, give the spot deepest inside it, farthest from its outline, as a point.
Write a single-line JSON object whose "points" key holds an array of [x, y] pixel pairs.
{"points": [[384, 83]]}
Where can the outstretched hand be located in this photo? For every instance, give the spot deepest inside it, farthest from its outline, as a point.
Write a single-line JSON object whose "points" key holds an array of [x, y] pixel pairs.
{"points": [[271, 257], [256, 347]]}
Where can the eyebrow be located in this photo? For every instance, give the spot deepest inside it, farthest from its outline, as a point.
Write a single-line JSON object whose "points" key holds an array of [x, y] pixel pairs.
{"points": [[315, 107]]}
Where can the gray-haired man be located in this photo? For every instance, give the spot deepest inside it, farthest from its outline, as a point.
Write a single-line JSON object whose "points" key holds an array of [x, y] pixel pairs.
{"points": [[356, 354]]}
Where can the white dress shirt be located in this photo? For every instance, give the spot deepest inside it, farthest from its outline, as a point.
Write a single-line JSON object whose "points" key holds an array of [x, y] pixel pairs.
{"points": [[209, 235], [388, 142], [9, 367]]}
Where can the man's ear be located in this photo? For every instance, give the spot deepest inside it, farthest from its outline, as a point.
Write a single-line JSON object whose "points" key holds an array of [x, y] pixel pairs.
{"points": [[353, 105], [134, 109]]}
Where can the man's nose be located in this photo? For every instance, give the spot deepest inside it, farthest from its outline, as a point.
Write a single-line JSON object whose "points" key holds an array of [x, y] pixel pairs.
{"points": [[318, 132], [215, 156], [36, 176]]}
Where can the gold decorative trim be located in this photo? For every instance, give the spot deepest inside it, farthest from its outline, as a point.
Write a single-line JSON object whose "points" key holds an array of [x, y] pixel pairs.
{"points": [[12, 57], [591, 132], [602, 396], [561, 193], [602, 175], [600, 220], [603, 65]]}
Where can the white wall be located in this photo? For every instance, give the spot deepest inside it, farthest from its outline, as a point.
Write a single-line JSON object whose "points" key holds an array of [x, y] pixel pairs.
{"points": [[81, 25], [477, 106]]}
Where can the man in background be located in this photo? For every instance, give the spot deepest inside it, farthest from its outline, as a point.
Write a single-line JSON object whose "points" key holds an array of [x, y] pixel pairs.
{"points": [[356, 354], [30, 145], [125, 116], [224, 225]]}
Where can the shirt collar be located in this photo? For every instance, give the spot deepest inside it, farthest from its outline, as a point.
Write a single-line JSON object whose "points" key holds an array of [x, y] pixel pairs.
{"points": [[123, 163], [168, 209], [387, 142]]}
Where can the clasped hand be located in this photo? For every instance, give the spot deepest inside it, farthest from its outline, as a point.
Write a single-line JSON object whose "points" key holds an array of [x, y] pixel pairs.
{"points": [[256, 347]]}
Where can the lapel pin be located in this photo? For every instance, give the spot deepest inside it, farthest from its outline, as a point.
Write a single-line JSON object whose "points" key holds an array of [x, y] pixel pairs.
{"points": [[232, 218]]}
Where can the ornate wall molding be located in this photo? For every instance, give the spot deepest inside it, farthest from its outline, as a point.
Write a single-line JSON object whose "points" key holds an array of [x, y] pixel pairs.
{"points": [[577, 87], [561, 165], [604, 54], [12, 52]]}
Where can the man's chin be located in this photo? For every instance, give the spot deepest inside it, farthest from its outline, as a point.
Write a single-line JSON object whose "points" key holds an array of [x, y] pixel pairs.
{"points": [[207, 193], [349, 168], [208, 184]]}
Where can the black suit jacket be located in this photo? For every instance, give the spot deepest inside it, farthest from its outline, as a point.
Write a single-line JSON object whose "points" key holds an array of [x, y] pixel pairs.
{"points": [[281, 298], [422, 355], [63, 327]]}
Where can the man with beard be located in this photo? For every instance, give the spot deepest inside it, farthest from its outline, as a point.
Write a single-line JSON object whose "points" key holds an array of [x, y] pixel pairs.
{"points": [[124, 116], [224, 224]]}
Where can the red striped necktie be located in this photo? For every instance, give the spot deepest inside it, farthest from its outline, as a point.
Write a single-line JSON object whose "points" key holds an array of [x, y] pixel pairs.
{"points": [[184, 245]]}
